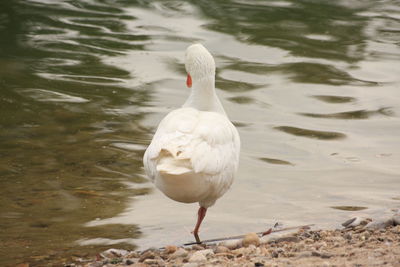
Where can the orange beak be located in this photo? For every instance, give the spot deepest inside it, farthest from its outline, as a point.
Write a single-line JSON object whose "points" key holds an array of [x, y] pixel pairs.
{"points": [[189, 81]]}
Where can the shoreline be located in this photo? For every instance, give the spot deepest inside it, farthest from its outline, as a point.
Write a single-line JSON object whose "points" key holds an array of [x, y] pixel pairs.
{"points": [[359, 242]]}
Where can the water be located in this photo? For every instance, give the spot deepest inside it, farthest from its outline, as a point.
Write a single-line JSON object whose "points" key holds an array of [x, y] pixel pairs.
{"points": [[313, 87]]}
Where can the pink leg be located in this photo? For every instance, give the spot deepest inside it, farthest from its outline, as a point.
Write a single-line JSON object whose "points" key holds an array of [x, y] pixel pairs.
{"points": [[200, 216]]}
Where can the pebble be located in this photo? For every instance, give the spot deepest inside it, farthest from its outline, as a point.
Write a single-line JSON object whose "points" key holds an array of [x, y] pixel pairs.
{"points": [[221, 249], [227, 255], [309, 241], [239, 251], [115, 253], [287, 239], [180, 253], [150, 261], [380, 224], [304, 254], [251, 239], [396, 220], [132, 254], [365, 236], [348, 236], [352, 222], [197, 247], [170, 249], [146, 255], [207, 252], [232, 244], [198, 257], [128, 262], [323, 255], [305, 246], [299, 247]]}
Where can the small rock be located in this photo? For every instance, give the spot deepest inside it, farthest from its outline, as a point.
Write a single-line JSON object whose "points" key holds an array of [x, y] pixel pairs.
{"points": [[180, 253], [265, 239], [198, 247], [348, 236], [304, 254], [381, 224], [251, 239], [232, 244], [170, 249], [146, 255], [264, 251], [309, 241], [132, 254], [197, 257], [315, 253], [207, 252], [352, 222], [190, 264], [251, 249], [115, 253], [227, 255], [396, 229], [128, 262], [221, 249], [365, 236], [150, 261], [325, 255], [275, 253], [396, 220], [299, 247], [239, 251], [287, 239]]}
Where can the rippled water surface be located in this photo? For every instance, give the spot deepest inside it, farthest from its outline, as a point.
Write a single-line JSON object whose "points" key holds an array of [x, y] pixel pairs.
{"points": [[313, 87]]}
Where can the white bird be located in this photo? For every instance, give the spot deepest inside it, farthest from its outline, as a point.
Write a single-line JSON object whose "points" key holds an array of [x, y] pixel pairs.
{"points": [[194, 154]]}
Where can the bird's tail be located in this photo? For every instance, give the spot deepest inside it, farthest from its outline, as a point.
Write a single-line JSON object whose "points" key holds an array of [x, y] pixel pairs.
{"points": [[170, 162]]}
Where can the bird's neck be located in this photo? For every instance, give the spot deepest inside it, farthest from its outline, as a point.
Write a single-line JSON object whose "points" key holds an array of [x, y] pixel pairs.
{"points": [[203, 96]]}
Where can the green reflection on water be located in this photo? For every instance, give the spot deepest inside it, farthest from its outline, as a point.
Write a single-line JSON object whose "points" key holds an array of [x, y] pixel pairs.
{"points": [[351, 115], [57, 166], [276, 161], [323, 135], [335, 99], [349, 208]]}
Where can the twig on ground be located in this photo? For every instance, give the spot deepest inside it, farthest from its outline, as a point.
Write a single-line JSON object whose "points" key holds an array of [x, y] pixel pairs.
{"points": [[269, 231]]}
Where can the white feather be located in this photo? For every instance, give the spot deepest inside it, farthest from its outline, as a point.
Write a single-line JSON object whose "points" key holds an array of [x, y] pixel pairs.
{"points": [[194, 153]]}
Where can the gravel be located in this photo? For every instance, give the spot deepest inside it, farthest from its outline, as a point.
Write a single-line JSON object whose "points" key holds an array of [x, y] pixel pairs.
{"points": [[361, 242]]}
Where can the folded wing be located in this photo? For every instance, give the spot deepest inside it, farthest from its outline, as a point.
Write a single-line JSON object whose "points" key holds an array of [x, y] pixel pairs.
{"points": [[188, 140]]}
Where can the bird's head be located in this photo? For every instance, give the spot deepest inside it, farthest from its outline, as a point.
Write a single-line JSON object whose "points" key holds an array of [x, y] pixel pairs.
{"points": [[199, 64]]}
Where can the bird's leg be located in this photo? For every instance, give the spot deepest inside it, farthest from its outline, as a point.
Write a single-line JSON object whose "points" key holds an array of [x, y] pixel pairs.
{"points": [[200, 216]]}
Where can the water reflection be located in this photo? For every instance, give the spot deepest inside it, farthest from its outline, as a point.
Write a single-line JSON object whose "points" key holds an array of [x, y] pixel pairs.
{"points": [[312, 87], [58, 165], [351, 115], [334, 99], [276, 161], [349, 208], [324, 135]]}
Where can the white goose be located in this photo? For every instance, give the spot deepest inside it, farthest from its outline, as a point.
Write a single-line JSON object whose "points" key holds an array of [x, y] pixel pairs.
{"points": [[194, 153]]}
